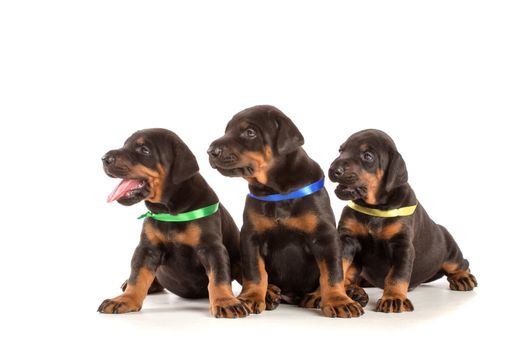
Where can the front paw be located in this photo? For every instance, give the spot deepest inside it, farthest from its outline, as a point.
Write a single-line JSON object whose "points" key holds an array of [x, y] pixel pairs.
{"points": [[228, 308], [357, 294], [119, 305], [273, 297], [341, 306], [311, 300], [254, 305], [390, 305]]}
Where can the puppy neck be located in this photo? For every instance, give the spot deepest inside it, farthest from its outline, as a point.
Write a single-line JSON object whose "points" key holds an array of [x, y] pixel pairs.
{"points": [[288, 173], [188, 195], [398, 197]]}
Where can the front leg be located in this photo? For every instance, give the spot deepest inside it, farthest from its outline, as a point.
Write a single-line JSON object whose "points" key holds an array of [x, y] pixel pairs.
{"points": [[215, 259], [394, 297], [254, 275], [334, 300], [145, 261], [352, 268]]}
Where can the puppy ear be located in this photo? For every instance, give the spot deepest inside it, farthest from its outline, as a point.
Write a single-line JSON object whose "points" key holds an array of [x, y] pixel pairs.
{"points": [[289, 138], [183, 163], [396, 174]]}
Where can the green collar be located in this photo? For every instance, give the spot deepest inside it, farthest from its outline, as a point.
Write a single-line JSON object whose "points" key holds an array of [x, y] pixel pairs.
{"points": [[392, 213], [188, 216]]}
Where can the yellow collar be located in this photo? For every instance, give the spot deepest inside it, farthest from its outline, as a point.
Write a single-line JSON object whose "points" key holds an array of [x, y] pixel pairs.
{"points": [[392, 213]]}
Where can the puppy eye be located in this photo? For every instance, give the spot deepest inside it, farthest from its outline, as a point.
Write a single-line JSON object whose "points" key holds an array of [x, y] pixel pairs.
{"points": [[367, 157], [249, 133], [143, 150]]}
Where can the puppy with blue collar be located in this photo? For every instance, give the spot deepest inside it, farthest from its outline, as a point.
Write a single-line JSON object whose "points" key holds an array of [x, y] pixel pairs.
{"points": [[290, 246]]}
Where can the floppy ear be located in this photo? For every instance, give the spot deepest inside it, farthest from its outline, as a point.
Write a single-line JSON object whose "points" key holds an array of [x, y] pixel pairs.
{"points": [[289, 138], [183, 163], [396, 174]]}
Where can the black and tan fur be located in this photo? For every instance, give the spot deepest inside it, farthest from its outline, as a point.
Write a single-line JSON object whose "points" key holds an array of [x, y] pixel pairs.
{"points": [[291, 246], [396, 254], [194, 259]]}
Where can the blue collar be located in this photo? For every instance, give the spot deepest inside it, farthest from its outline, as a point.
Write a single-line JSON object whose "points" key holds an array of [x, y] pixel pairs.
{"points": [[302, 192]]}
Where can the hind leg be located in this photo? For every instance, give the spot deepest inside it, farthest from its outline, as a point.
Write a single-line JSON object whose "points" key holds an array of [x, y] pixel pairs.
{"points": [[459, 276], [456, 268], [273, 297]]}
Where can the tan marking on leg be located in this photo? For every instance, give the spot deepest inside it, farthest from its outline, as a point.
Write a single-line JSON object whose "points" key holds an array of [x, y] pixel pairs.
{"points": [[461, 280], [350, 272], [190, 236], [222, 299], [307, 222], [260, 222], [134, 295], [253, 293], [334, 301]]}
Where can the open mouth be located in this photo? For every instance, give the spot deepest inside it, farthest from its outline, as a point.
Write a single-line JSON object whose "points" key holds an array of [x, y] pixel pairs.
{"points": [[129, 189], [232, 169], [350, 192]]}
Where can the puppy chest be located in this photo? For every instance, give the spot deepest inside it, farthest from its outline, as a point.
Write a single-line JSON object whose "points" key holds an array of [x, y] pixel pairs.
{"points": [[380, 229], [306, 222]]}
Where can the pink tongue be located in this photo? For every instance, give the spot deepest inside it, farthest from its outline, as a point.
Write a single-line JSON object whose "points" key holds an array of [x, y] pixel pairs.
{"points": [[122, 188]]}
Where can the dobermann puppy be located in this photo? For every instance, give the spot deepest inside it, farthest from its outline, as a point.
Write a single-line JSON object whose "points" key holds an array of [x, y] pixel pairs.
{"points": [[388, 238], [189, 243], [288, 239]]}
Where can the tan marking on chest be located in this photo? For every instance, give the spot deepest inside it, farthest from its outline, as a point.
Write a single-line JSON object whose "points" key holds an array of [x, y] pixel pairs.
{"points": [[384, 232], [389, 231], [154, 235], [261, 223], [355, 227], [307, 222], [190, 236]]}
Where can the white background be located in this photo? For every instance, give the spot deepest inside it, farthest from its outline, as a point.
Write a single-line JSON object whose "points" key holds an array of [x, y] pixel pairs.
{"points": [[444, 78]]}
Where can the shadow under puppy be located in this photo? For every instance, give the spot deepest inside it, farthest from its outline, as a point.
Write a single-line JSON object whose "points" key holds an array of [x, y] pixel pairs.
{"points": [[189, 243], [289, 241], [389, 239]]}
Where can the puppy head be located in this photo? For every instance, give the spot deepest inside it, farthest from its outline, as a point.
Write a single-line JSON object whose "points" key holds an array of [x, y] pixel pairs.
{"points": [[150, 160], [368, 165], [254, 139]]}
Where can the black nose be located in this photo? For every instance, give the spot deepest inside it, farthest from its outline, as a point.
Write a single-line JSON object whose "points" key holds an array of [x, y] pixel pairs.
{"points": [[338, 172], [108, 159], [214, 151]]}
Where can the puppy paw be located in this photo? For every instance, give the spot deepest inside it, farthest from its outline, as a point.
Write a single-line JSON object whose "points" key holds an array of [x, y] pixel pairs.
{"points": [[254, 305], [462, 282], [390, 305], [273, 297], [341, 306], [311, 300], [228, 308], [357, 294], [119, 305]]}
